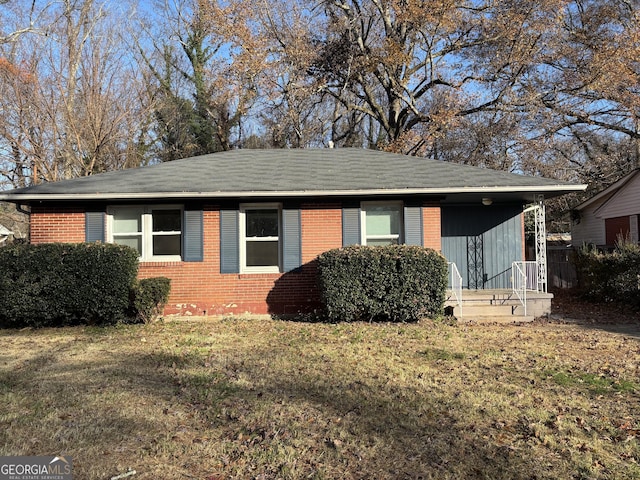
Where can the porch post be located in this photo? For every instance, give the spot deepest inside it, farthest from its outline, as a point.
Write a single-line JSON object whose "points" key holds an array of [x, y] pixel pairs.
{"points": [[541, 243]]}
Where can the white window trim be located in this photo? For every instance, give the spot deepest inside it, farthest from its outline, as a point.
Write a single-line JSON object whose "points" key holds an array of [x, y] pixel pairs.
{"points": [[363, 221], [147, 230], [243, 238]]}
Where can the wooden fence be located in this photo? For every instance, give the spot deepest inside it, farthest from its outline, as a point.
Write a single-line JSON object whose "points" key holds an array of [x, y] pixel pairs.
{"points": [[560, 270]]}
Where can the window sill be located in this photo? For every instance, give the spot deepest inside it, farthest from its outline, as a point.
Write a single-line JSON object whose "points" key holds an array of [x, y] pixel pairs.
{"points": [[160, 263], [257, 276], [259, 270]]}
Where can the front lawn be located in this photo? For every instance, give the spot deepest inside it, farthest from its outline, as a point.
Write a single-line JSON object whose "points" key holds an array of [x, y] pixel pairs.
{"points": [[267, 399]]}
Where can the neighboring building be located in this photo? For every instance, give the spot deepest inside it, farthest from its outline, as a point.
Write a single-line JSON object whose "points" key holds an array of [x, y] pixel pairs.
{"points": [[5, 233], [239, 231], [609, 215]]}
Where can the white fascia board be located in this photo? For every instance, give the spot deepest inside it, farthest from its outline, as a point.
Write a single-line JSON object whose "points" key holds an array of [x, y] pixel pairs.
{"points": [[26, 197]]}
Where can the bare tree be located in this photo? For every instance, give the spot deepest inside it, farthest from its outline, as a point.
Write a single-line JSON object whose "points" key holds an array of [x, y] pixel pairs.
{"points": [[202, 61], [463, 81], [549, 87], [417, 68], [591, 76], [19, 17], [71, 97]]}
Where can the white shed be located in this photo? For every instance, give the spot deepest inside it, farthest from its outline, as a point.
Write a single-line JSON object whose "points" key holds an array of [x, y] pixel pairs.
{"points": [[609, 215]]}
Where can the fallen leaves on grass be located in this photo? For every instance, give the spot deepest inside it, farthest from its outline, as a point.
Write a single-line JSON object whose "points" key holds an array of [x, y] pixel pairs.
{"points": [[247, 398]]}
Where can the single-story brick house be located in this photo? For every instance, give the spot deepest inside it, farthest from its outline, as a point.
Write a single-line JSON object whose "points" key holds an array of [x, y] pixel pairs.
{"points": [[239, 231], [609, 215]]}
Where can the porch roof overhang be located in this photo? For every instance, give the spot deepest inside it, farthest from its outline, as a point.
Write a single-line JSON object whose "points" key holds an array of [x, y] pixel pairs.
{"points": [[304, 174]]}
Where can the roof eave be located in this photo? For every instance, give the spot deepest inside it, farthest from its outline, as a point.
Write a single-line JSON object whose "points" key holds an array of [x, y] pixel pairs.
{"points": [[610, 190], [27, 197]]}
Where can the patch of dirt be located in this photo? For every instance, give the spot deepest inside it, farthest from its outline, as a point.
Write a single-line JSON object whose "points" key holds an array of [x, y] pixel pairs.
{"points": [[570, 305]]}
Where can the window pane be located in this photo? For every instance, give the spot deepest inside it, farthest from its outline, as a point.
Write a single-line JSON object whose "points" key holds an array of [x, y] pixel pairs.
{"points": [[380, 242], [132, 241], [262, 254], [166, 220], [383, 220], [166, 244], [262, 223], [127, 220]]}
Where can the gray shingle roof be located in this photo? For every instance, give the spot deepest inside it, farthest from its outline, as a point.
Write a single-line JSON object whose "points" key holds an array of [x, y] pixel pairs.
{"points": [[271, 173]]}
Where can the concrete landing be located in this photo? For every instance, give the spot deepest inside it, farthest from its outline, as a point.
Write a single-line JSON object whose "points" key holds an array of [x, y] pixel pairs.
{"points": [[503, 306]]}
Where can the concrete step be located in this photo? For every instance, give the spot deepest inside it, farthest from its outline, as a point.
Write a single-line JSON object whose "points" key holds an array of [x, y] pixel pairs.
{"points": [[479, 319], [487, 310], [490, 303], [487, 298], [499, 304]]}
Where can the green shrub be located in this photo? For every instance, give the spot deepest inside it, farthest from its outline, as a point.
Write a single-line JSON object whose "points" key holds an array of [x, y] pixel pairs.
{"points": [[397, 283], [65, 284], [610, 277], [148, 298]]}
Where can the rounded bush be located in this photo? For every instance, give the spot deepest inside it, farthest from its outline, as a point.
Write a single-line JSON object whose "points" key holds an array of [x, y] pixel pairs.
{"points": [[148, 298], [397, 283], [59, 284]]}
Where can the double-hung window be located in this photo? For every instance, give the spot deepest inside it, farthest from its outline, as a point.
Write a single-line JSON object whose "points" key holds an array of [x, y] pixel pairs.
{"points": [[381, 223], [126, 227], [166, 232], [154, 232], [260, 245]]}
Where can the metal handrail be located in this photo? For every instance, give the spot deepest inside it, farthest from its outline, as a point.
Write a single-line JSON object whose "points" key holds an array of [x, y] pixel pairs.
{"points": [[456, 285], [531, 271], [519, 286]]}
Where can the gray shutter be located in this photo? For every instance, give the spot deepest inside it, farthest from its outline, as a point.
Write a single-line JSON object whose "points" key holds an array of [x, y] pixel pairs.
{"points": [[193, 236], [291, 239], [94, 226], [350, 226], [413, 234], [229, 242]]}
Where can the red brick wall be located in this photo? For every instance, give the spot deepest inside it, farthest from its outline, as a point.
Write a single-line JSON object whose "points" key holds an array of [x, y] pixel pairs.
{"points": [[198, 288], [52, 225], [321, 229], [431, 225]]}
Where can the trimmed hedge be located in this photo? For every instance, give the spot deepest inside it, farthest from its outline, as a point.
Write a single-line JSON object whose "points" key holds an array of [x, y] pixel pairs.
{"points": [[397, 283], [65, 284], [148, 298], [610, 277]]}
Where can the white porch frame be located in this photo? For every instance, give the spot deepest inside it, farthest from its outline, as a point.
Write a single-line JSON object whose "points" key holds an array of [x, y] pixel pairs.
{"points": [[540, 220], [541, 243], [533, 275]]}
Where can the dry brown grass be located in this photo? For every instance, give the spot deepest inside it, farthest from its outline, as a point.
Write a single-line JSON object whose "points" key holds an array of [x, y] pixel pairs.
{"points": [[266, 399]]}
